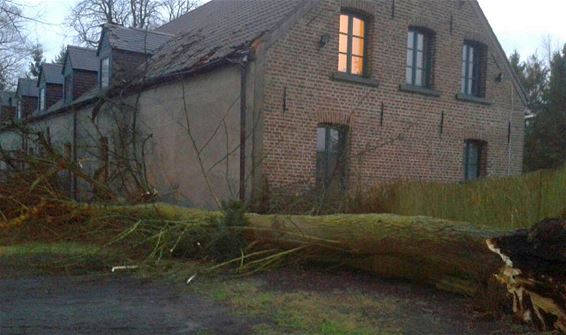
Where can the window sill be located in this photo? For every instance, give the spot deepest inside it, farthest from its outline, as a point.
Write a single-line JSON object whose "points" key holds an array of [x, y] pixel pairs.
{"points": [[470, 98], [350, 78], [419, 90]]}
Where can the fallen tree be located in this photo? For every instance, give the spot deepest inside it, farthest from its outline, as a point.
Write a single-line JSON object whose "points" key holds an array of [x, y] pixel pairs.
{"points": [[453, 256], [535, 272], [450, 255]]}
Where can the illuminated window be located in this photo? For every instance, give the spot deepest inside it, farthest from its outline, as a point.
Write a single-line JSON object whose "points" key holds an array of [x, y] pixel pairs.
{"points": [[351, 44], [474, 64], [105, 72], [419, 58]]}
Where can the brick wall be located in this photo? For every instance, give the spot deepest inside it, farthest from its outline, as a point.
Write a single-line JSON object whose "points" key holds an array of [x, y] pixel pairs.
{"points": [[126, 64], [53, 93], [83, 82], [392, 134], [29, 106]]}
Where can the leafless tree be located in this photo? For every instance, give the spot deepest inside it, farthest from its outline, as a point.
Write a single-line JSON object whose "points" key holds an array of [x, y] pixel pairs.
{"points": [[12, 40], [87, 15], [172, 9]]}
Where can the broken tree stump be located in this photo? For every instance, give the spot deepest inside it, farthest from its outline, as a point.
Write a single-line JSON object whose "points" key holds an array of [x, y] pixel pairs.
{"points": [[535, 272]]}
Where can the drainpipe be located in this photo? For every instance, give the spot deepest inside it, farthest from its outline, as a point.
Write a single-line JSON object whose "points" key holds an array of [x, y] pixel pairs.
{"points": [[509, 149], [243, 108], [74, 189]]}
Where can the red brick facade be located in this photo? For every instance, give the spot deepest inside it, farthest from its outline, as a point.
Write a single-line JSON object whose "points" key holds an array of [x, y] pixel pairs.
{"points": [[392, 134], [83, 82]]}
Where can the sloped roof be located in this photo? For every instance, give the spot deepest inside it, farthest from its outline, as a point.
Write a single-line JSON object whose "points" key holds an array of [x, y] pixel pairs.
{"points": [[52, 73], [5, 98], [27, 87], [217, 30], [82, 58], [133, 39]]}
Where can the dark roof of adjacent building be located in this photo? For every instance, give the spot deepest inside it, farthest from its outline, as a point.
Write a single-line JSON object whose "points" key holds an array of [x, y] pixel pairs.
{"points": [[7, 98], [53, 73], [217, 30], [133, 39], [27, 87], [82, 58]]}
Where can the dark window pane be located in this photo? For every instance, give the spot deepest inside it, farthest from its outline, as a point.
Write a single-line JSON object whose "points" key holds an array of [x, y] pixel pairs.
{"points": [[410, 40], [320, 139]]}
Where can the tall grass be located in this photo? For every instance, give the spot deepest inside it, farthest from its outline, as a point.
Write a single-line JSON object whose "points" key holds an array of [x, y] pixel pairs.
{"points": [[505, 203]]}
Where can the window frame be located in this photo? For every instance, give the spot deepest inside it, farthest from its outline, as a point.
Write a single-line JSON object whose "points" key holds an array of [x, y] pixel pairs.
{"points": [[103, 83], [324, 177], [473, 70], [349, 40], [42, 98], [480, 163], [427, 57]]}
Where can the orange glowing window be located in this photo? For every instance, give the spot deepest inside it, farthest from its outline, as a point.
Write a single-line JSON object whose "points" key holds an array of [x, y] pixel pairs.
{"points": [[351, 44]]}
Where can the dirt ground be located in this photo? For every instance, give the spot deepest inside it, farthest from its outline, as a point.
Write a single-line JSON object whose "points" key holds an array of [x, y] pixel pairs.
{"points": [[279, 302]]}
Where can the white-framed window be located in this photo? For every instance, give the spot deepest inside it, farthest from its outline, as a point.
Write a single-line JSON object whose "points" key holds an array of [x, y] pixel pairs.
{"points": [[105, 72], [42, 99], [19, 110]]}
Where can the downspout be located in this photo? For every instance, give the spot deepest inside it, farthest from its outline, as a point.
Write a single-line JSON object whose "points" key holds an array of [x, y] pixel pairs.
{"points": [[509, 149], [243, 108], [74, 188]]}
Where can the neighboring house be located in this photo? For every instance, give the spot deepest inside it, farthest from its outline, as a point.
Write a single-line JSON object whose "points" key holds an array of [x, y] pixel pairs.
{"points": [[50, 86], [325, 96], [122, 50], [7, 106], [80, 73], [26, 98]]}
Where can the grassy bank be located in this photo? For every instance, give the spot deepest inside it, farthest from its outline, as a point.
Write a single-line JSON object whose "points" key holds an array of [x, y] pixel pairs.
{"points": [[503, 203]]}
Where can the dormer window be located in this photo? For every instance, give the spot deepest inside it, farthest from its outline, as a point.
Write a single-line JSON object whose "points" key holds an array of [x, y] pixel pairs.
{"points": [[42, 99], [351, 44], [105, 72]]}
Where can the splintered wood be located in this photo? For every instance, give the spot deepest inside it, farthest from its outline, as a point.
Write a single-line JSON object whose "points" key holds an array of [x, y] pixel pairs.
{"points": [[535, 272]]}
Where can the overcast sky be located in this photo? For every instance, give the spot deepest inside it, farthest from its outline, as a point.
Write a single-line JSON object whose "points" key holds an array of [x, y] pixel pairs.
{"points": [[519, 24]]}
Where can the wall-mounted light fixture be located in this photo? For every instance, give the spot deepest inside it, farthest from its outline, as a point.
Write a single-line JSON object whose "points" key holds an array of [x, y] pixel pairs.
{"points": [[499, 78], [324, 39]]}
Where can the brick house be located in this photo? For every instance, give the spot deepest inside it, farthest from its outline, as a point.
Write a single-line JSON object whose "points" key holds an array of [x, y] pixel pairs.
{"points": [[26, 97], [324, 96]]}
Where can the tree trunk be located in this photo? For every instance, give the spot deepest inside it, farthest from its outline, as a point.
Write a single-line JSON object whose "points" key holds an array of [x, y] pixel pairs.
{"points": [[453, 256]]}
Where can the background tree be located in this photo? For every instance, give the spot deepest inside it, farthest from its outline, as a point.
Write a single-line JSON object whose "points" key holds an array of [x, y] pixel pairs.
{"points": [[12, 42], [60, 58], [37, 60], [545, 144], [172, 9], [88, 15]]}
